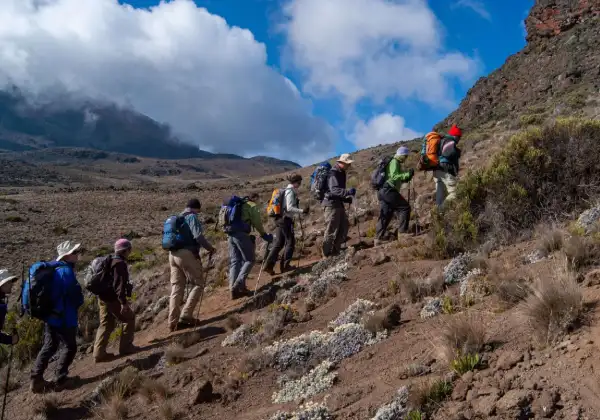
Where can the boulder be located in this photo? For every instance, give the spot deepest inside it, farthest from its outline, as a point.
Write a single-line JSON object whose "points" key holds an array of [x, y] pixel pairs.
{"points": [[508, 360], [484, 406], [513, 403]]}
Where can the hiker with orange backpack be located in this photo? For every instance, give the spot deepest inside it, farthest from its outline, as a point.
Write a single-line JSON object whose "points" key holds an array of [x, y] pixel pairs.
{"points": [[441, 155], [284, 234], [388, 180]]}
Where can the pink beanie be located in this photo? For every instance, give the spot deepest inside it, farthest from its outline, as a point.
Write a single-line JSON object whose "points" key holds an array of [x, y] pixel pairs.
{"points": [[122, 245]]}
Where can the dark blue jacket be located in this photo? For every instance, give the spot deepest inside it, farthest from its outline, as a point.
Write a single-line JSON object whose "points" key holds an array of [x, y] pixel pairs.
{"points": [[67, 297]]}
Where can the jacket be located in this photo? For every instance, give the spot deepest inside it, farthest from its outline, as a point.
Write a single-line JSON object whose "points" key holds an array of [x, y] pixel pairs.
{"points": [[4, 338], [449, 155], [67, 297], [197, 232], [336, 193], [251, 216], [121, 287], [291, 202], [395, 175]]}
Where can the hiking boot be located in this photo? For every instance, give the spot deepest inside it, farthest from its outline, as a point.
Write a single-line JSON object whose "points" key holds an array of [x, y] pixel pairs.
{"points": [[379, 242], [240, 292], [105, 357], [40, 386], [66, 382], [130, 350], [189, 322], [286, 268]]}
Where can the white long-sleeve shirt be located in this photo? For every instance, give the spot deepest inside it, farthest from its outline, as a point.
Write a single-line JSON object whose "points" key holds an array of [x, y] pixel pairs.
{"points": [[291, 202]]}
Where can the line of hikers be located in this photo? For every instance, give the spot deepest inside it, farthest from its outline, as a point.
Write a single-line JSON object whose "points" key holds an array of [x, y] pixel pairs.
{"points": [[52, 293]]}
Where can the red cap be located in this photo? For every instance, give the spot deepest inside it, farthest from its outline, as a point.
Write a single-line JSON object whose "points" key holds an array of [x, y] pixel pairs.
{"points": [[455, 131]]}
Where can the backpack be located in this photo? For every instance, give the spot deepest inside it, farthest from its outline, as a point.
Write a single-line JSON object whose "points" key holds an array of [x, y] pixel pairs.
{"points": [[430, 152], [230, 215], [275, 206], [36, 295], [97, 275], [318, 181], [176, 233], [378, 176]]}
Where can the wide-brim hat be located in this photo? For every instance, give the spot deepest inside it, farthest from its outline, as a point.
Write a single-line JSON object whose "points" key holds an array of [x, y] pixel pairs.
{"points": [[345, 158], [6, 278], [66, 248]]}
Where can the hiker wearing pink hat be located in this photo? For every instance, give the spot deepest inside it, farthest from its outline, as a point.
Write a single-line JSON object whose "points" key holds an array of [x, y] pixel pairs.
{"points": [[114, 306]]}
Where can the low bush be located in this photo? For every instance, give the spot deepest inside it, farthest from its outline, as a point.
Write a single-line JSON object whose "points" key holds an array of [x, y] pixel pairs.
{"points": [[550, 241], [542, 174], [30, 332], [461, 340], [426, 396]]}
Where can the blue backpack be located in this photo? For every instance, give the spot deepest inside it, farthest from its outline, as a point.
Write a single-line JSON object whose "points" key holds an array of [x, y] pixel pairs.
{"points": [[36, 294], [318, 181], [176, 233], [230, 215]]}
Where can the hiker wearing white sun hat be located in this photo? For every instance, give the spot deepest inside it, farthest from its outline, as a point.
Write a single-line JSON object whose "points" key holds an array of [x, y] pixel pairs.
{"points": [[61, 325], [336, 219], [6, 283]]}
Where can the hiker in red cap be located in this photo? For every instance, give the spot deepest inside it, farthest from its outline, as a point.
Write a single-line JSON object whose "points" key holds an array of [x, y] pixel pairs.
{"points": [[447, 171]]}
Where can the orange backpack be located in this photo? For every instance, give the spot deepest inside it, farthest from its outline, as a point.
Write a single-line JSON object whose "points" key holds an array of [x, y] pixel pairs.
{"points": [[430, 152], [275, 206]]}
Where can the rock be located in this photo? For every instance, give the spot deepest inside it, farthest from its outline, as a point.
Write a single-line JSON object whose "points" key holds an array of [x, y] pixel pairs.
{"points": [[379, 259], [484, 406], [459, 393], [391, 316], [468, 377], [530, 384], [508, 360], [433, 307], [201, 393], [544, 406], [513, 403], [592, 278]]}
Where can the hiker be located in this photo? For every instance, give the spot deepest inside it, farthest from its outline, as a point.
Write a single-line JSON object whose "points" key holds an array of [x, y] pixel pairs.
{"points": [[284, 234], [241, 243], [113, 305], [61, 326], [6, 284], [336, 219], [186, 267], [447, 171], [391, 202]]}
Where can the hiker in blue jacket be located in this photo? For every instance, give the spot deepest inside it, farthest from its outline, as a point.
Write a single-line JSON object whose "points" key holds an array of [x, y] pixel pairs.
{"points": [[61, 326], [6, 283]]}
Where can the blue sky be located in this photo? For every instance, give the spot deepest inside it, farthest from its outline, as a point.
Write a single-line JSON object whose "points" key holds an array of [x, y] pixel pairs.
{"points": [[296, 79], [487, 30]]}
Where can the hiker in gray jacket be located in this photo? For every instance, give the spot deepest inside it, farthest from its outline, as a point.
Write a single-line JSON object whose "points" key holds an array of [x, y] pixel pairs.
{"points": [[336, 219]]}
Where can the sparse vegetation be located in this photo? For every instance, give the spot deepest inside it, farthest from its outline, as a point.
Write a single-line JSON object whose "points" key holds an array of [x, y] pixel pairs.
{"points": [[465, 363], [151, 390], [555, 305], [233, 322], [426, 396], [581, 252], [526, 183], [114, 408], [175, 354], [47, 406], [30, 339], [416, 288], [414, 415], [512, 291], [462, 338], [550, 241]]}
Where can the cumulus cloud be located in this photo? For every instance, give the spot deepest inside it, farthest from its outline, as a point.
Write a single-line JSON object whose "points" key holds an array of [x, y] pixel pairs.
{"points": [[174, 62], [375, 50], [382, 129], [475, 5]]}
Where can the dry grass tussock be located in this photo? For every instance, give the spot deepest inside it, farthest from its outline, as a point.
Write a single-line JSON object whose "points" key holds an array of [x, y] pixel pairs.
{"points": [[461, 336], [233, 322], [550, 240], [581, 252], [47, 406], [151, 390], [175, 354], [555, 305], [415, 288], [510, 288], [427, 395], [114, 408]]}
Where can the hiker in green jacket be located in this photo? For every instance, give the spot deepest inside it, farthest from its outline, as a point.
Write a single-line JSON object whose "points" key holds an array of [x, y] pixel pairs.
{"points": [[391, 201], [242, 248]]}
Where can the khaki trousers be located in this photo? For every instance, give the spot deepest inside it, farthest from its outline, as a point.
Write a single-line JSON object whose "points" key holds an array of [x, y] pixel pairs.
{"points": [[110, 313], [186, 268]]}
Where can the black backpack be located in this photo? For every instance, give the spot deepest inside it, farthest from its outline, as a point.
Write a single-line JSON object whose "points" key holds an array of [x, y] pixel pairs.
{"points": [[36, 295], [378, 176], [98, 275], [318, 186]]}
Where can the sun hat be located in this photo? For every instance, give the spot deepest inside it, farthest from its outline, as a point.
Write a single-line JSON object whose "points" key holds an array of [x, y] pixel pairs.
{"points": [[403, 151], [66, 248], [346, 158], [6, 278]]}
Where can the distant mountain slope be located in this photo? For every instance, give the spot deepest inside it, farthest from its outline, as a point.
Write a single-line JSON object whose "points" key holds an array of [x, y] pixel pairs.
{"points": [[557, 73]]}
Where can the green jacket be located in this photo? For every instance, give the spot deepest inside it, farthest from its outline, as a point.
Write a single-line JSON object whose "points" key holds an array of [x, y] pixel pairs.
{"points": [[395, 176], [251, 216]]}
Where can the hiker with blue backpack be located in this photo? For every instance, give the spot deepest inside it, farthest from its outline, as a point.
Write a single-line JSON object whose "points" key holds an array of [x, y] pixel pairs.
{"points": [[53, 294], [284, 233], [6, 284], [388, 179], [238, 217], [183, 236]]}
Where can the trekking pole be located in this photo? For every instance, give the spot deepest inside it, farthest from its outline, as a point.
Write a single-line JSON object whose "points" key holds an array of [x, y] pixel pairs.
{"points": [[417, 222], [210, 265], [7, 382], [356, 220], [303, 239], [262, 266]]}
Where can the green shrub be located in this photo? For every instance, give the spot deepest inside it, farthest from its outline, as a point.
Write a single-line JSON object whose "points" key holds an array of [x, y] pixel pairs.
{"points": [[531, 119], [465, 363], [542, 174], [427, 396], [414, 415], [30, 332]]}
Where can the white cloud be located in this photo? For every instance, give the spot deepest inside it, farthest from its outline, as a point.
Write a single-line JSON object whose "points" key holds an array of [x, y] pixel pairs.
{"points": [[382, 129], [374, 49], [475, 5], [174, 62]]}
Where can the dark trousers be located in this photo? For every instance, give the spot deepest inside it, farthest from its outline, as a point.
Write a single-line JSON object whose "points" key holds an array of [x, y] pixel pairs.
{"points": [[391, 203], [53, 337], [284, 237]]}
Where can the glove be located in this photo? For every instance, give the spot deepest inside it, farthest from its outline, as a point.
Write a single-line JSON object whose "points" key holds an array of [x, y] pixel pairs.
{"points": [[348, 200], [352, 192], [267, 237], [411, 173], [305, 210]]}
